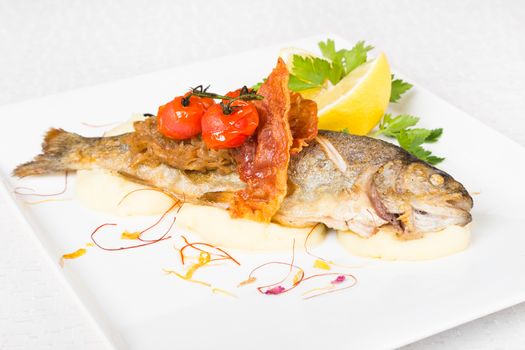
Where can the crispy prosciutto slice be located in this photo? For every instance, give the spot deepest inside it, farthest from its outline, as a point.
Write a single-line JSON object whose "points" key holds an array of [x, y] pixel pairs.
{"points": [[262, 161], [303, 121]]}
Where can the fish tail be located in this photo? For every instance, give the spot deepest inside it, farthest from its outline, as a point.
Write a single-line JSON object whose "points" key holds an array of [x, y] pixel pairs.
{"points": [[57, 145]]}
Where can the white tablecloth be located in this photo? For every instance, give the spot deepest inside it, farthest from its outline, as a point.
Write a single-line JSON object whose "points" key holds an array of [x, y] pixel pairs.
{"points": [[472, 53]]}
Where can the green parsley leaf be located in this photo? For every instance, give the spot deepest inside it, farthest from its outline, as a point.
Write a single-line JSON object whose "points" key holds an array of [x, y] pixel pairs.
{"points": [[346, 131], [328, 49], [296, 84], [399, 87], [392, 126], [434, 135], [355, 57], [344, 60], [412, 139], [312, 72], [336, 73], [433, 160], [308, 72]]}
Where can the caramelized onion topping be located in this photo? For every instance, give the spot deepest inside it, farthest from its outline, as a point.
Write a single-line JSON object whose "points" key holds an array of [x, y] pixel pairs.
{"points": [[150, 147]]}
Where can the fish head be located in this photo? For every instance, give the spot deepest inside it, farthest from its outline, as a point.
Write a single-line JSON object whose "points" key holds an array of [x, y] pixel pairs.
{"points": [[420, 197]]}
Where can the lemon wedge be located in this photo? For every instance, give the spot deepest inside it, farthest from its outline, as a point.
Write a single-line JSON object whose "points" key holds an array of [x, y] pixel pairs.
{"points": [[358, 101]]}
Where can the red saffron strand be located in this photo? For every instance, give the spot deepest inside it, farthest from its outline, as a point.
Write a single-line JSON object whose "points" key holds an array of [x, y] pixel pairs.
{"points": [[183, 257], [144, 189], [329, 262], [225, 254], [176, 202], [250, 276], [96, 230], [293, 255], [163, 237], [222, 257], [158, 222], [193, 245], [271, 287], [306, 244], [148, 242], [271, 263], [17, 190]]}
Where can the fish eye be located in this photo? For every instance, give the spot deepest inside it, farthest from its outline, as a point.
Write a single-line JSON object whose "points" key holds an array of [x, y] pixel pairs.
{"points": [[436, 180]]}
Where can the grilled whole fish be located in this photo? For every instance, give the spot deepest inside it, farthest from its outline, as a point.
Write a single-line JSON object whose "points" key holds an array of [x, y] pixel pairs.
{"points": [[341, 180]]}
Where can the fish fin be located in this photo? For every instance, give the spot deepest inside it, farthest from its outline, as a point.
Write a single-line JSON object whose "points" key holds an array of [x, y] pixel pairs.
{"points": [[58, 141], [57, 144]]}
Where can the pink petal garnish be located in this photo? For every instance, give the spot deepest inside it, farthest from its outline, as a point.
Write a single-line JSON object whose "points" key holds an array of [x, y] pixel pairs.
{"points": [[275, 290], [339, 279]]}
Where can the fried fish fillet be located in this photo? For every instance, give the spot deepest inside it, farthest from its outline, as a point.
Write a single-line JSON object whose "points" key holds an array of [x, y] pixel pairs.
{"points": [[341, 180]]}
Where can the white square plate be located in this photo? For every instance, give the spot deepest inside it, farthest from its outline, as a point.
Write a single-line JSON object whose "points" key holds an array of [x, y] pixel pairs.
{"points": [[137, 306]]}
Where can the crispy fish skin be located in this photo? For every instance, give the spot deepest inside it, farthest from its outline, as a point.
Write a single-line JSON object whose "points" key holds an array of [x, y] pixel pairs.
{"points": [[378, 182]]}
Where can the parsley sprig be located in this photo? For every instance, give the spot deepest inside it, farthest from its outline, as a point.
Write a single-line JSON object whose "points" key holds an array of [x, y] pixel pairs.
{"points": [[312, 72], [399, 87], [344, 61], [409, 138]]}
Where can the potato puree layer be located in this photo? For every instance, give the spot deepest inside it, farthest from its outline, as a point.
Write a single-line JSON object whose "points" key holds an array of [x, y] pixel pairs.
{"points": [[102, 191], [385, 245]]}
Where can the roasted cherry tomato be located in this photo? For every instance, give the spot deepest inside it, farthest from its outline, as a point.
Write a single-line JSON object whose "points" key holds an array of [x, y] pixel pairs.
{"points": [[236, 93], [180, 119], [207, 102], [230, 129]]}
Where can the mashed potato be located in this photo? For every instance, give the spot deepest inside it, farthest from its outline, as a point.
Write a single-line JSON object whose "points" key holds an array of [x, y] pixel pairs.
{"points": [[217, 227], [103, 191], [385, 244]]}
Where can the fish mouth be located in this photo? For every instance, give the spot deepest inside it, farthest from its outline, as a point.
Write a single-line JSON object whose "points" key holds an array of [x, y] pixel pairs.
{"points": [[438, 215]]}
